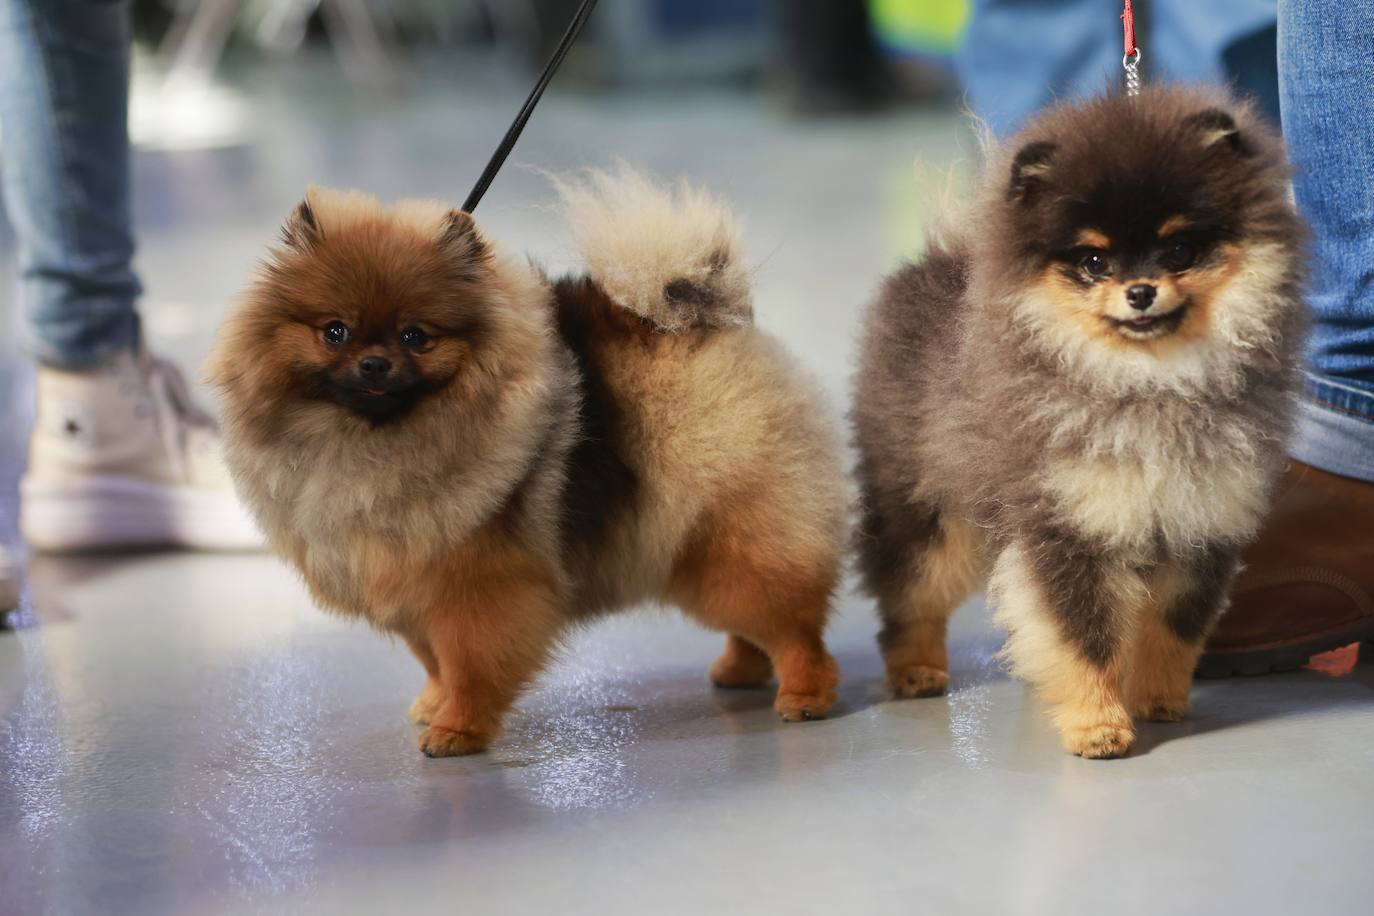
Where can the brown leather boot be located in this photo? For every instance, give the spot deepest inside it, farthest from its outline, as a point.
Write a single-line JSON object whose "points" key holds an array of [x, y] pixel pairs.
{"points": [[1308, 582]]}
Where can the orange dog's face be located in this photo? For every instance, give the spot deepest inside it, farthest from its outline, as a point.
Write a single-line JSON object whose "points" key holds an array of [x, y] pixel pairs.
{"points": [[374, 317]]}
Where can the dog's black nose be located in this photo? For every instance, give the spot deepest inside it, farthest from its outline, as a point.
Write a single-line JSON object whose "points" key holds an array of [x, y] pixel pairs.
{"points": [[1141, 296], [374, 367]]}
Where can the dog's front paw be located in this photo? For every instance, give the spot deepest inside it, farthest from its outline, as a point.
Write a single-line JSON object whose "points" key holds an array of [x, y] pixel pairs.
{"points": [[1099, 742], [801, 707], [437, 741], [917, 681]]}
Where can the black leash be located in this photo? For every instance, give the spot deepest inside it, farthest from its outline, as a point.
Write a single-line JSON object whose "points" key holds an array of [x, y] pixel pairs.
{"points": [[508, 141]]}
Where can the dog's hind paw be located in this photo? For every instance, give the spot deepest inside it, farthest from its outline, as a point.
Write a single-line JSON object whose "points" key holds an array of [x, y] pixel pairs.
{"points": [[917, 681], [741, 668], [1164, 710], [437, 741], [426, 705]]}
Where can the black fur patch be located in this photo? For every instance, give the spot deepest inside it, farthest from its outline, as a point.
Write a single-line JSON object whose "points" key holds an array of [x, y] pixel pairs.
{"points": [[891, 540], [688, 292], [1210, 572], [1072, 574], [600, 484]]}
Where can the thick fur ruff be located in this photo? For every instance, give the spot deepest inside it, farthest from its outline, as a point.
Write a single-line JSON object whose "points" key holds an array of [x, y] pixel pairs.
{"points": [[538, 453], [1017, 416]]}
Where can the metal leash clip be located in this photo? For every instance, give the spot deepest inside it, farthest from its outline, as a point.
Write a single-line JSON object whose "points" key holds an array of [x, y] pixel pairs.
{"points": [[1131, 63]]}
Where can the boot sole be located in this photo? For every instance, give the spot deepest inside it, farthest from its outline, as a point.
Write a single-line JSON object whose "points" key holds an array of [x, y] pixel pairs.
{"points": [[1282, 658], [108, 512]]}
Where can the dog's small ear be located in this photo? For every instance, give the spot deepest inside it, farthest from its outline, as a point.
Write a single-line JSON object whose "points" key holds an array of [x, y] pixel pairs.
{"points": [[1217, 130], [1028, 170], [302, 230], [460, 236]]}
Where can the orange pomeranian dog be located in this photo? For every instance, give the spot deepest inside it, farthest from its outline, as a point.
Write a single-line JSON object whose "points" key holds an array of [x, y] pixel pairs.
{"points": [[468, 455]]}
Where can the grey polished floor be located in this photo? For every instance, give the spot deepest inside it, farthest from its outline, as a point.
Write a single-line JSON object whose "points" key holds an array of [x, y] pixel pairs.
{"points": [[186, 734]]}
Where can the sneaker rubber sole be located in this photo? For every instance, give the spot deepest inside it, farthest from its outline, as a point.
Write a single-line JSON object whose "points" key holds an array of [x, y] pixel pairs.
{"points": [[108, 512], [1281, 658]]}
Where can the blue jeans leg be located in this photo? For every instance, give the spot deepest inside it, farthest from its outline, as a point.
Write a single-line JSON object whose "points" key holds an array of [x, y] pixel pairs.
{"points": [[1017, 56], [64, 155], [1328, 111]]}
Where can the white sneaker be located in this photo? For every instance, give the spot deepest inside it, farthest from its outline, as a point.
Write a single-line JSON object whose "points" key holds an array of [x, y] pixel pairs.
{"points": [[121, 457], [9, 582]]}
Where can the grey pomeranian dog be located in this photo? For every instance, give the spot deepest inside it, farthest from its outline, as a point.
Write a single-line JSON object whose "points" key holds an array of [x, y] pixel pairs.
{"points": [[1080, 397]]}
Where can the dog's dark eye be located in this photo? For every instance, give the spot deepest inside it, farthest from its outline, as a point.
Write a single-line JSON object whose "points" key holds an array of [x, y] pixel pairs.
{"points": [[337, 333], [1179, 257], [414, 338], [1094, 264]]}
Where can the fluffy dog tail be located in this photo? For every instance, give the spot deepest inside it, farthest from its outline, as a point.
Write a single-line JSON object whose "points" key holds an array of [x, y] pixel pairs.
{"points": [[669, 255]]}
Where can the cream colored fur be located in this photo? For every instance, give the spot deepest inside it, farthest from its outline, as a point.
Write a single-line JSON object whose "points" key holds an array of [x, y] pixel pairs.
{"points": [[1242, 321], [722, 420], [638, 238], [1126, 502]]}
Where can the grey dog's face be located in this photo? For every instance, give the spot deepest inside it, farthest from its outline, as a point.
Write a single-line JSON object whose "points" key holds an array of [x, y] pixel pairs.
{"points": [[1135, 237]]}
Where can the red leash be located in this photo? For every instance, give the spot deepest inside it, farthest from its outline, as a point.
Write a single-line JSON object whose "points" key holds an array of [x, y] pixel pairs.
{"points": [[1130, 60], [1128, 26]]}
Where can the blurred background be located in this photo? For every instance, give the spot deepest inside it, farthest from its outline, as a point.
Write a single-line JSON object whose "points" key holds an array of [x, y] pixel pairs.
{"points": [[807, 113]]}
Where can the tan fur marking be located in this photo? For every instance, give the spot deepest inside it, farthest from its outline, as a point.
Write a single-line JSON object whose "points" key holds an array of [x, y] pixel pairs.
{"points": [[1173, 224], [1093, 238], [1083, 309], [1201, 288]]}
